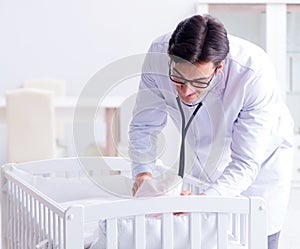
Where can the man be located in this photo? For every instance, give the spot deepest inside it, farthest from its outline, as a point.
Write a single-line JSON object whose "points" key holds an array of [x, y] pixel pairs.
{"points": [[240, 133]]}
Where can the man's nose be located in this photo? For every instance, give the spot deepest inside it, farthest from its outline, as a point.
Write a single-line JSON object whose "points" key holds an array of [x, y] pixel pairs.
{"points": [[185, 88]]}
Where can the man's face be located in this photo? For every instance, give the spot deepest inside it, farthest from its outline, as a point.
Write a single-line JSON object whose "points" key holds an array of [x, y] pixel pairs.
{"points": [[192, 81]]}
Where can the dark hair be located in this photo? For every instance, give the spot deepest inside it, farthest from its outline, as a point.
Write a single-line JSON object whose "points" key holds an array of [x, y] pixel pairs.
{"points": [[199, 39]]}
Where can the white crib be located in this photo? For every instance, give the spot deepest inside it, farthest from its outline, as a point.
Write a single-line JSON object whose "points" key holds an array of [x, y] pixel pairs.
{"points": [[33, 218]]}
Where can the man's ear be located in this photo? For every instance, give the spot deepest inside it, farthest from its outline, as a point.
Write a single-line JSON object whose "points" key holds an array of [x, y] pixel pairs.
{"points": [[220, 67]]}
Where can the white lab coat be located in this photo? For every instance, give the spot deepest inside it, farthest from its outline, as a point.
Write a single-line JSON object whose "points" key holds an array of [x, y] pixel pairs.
{"points": [[240, 141]]}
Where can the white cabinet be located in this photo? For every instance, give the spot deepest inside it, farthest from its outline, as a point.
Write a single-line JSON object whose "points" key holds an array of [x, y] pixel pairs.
{"points": [[274, 26], [262, 22], [296, 165], [293, 62]]}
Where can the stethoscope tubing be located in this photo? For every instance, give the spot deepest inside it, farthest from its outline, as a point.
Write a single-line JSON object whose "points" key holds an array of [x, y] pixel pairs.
{"points": [[184, 129]]}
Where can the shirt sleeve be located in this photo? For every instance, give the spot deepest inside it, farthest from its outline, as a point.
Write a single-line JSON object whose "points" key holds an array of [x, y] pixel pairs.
{"points": [[149, 118], [253, 135]]}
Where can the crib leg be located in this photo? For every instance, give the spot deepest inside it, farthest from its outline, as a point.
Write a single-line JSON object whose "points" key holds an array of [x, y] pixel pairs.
{"points": [[74, 227], [257, 220]]}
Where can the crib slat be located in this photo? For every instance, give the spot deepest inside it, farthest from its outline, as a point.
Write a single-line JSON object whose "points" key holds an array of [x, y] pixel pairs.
{"points": [[19, 220], [12, 197], [31, 222], [41, 221], [195, 230], [25, 219], [244, 238], [49, 228], [140, 232], [15, 232], [222, 219], [35, 217], [236, 226], [10, 218], [60, 240], [45, 231], [54, 227], [38, 221], [21, 229], [25, 211], [112, 234], [167, 231]]}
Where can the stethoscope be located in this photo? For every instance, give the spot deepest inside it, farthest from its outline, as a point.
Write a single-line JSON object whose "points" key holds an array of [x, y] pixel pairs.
{"points": [[184, 128]]}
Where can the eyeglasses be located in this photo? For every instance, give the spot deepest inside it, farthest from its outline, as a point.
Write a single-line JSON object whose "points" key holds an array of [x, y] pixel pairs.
{"points": [[180, 80]]}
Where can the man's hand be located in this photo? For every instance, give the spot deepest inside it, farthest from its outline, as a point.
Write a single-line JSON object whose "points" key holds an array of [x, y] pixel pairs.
{"points": [[185, 193], [139, 179]]}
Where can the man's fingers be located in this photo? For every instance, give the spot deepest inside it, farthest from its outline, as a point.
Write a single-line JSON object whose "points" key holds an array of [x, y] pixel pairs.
{"points": [[135, 187], [186, 192], [139, 179]]}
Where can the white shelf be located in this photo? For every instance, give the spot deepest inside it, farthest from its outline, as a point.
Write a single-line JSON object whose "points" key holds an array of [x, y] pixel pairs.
{"points": [[258, 8], [296, 163], [293, 93]]}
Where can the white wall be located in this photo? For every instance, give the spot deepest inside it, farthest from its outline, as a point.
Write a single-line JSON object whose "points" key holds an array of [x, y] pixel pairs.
{"points": [[72, 40]]}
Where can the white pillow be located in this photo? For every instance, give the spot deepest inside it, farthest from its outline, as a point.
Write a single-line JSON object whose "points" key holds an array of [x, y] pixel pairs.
{"points": [[153, 233]]}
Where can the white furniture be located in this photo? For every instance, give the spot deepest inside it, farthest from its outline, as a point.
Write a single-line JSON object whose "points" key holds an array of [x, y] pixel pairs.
{"points": [[274, 26], [30, 124], [35, 213], [64, 109], [273, 22], [58, 87], [296, 166]]}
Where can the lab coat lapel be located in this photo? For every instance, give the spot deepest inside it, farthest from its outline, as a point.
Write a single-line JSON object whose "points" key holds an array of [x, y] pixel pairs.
{"points": [[216, 113]]}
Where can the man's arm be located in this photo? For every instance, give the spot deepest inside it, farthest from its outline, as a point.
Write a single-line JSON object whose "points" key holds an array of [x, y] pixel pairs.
{"points": [[254, 136], [149, 117]]}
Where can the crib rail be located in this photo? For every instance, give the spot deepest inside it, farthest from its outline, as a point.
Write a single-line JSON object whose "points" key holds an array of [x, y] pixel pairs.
{"points": [[252, 211], [32, 220], [78, 167], [238, 222]]}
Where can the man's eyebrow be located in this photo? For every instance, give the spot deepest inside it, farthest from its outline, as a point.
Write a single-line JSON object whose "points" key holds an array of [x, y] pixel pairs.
{"points": [[202, 78], [178, 72]]}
